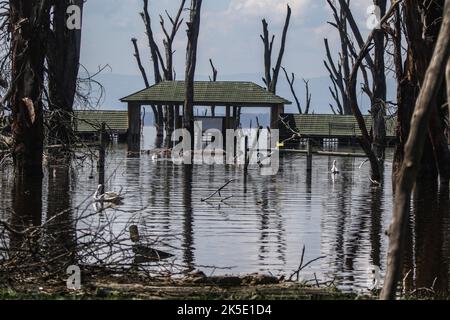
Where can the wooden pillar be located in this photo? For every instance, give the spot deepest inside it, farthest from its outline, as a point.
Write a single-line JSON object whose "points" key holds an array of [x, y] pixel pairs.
{"points": [[234, 121], [134, 127], [275, 113], [227, 117], [226, 125], [309, 155]]}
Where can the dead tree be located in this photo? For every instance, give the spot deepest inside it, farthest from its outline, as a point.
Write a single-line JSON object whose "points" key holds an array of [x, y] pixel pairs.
{"points": [[421, 31], [271, 74], [447, 74], [366, 141], [378, 98], [168, 68], [156, 58], [63, 59], [308, 97], [432, 84], [163, 69], [213, 79], [193, 30], [340, 72], [137, 55], [29, 20], [5, 56]]}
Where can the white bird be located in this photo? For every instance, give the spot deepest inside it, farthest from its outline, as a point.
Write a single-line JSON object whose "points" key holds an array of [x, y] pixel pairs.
{"points": [[109, 196], [334, 169], [154, 157]]}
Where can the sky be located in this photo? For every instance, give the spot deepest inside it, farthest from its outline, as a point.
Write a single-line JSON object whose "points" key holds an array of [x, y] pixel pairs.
{"points": [[229, 35]]}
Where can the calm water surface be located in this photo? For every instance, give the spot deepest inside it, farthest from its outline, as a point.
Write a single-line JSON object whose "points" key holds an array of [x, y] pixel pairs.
{"points": [[266, 221]]}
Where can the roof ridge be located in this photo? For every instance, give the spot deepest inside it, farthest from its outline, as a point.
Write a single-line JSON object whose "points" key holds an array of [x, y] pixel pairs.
{"points": [[208, 92]]}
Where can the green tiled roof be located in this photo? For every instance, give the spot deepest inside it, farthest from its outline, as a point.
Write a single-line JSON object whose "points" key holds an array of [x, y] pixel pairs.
{"points": [[207, 93], [330, 125], [91, 121]]}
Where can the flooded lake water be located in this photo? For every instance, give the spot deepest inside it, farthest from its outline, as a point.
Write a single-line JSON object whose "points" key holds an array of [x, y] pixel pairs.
{"points": [[264, 224]]}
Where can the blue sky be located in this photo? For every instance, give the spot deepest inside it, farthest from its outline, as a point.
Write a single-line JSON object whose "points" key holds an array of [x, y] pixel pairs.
{"points": [[229, 34]]}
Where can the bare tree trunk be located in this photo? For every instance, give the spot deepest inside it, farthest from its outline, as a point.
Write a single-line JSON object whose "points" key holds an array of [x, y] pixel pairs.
{"points": [[191, 62], [168, 68], [378, 110], [413, 155], [137, 55], [340, 74], [63, 57], [271, 74], [406, 96], [213, 79], [164, 115], [156, 59], [421, 27], [448, 91], [29, 20], [291, 81], [365, 141]]}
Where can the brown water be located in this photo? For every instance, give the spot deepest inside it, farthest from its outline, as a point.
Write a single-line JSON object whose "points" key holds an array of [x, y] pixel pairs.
{"points": [[264, 224]]}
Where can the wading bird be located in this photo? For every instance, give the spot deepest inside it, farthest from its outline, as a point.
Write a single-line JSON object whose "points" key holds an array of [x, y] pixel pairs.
{"points": [[334, 169]]}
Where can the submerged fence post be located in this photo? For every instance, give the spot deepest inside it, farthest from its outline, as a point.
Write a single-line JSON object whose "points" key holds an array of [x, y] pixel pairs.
{"points": [[246, 157], [101, 156], [309, 155], [246, 162]]}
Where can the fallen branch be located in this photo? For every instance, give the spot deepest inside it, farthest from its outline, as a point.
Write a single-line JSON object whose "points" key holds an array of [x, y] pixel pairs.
{"points": [[301, 266], [218, 191]]}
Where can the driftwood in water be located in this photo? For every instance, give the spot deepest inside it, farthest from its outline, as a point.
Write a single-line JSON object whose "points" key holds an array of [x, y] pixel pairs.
{"points": [[218, 191]]}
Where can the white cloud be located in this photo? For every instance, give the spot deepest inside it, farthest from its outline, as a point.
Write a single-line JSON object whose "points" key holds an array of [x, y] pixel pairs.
{"points": [[268, 8]]}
